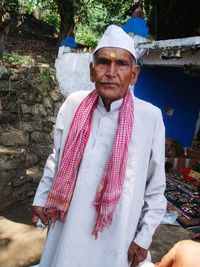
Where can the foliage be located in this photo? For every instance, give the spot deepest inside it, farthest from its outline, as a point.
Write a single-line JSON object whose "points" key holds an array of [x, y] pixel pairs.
{"points": [[29, 6], [91, 17], [9, 6], [173, 19], [166, 19], [37, 7], [41, 80], [5, 73], [45, 76], [88, 30], [86, 36], [17, 59], [117, 11], [97, 16], [44, 10], [53, 19]]}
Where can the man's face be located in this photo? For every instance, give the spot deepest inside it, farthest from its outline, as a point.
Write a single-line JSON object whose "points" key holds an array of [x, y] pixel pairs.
{"points": [[113, 72]]}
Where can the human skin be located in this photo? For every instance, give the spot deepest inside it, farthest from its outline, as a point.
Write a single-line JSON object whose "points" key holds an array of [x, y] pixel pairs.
{"points": [[40, 213], [136, 254], [185, 253], [111, 79]]}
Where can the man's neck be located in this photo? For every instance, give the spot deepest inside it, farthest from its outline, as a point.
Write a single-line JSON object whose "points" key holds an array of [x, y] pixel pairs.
{"points": [[107, 105]]}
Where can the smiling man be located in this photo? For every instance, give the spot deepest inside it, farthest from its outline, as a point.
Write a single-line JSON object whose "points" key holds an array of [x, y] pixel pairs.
{"points": [[102, 192]]}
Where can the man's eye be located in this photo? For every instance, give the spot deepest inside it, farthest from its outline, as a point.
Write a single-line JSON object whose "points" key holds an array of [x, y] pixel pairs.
{"points": [[122, 63]]}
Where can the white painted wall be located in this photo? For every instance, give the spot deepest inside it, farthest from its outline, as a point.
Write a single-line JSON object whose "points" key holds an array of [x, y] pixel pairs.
{"points": [[72, 72]]}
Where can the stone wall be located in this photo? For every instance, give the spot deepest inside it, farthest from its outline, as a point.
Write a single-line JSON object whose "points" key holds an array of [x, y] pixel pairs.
{"points": [[29, 102]]}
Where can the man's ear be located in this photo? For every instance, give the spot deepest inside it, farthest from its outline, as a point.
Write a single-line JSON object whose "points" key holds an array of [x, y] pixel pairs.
{"points": [[135, 73], [91, 72]]}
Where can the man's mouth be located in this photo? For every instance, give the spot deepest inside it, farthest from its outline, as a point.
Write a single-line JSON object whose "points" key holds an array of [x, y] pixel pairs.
{"points": [[108, 83]]}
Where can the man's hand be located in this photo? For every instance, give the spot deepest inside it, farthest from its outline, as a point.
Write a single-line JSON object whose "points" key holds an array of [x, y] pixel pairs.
{"points": [[136, 254], [39, 213]]}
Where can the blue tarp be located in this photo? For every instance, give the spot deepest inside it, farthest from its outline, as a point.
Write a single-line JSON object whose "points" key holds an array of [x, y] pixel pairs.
{"points": [[136, 26], [69, 41]]}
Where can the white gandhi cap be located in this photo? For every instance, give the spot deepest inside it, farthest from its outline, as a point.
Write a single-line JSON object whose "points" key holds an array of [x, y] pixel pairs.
{"points": [[115, 36]]}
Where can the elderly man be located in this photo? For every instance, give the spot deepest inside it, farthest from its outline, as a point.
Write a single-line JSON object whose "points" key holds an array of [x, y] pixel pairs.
{"points": [[102, 189]]}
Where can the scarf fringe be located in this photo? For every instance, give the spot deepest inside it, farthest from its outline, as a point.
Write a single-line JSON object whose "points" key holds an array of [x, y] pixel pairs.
{"points": [[103, 221]]}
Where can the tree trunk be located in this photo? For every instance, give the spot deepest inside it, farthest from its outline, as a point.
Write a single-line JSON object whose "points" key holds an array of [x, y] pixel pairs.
{"points": [[66, 12], [4, 30]]}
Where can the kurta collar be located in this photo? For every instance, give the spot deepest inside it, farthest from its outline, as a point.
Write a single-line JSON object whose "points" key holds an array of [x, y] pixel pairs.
{"points": [[115, 105]]}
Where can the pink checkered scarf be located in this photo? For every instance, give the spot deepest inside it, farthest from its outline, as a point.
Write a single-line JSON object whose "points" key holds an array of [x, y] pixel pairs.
{"points": [[109, 189]]}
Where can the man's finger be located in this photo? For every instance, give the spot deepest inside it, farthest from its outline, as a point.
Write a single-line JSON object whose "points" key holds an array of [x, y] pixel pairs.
{"points": [[35, 219], [44, 219], [135, 262], [40, 213], [130, 257]]}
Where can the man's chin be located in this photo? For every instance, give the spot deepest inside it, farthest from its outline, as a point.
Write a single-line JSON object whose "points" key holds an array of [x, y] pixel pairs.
{"points": [[110, 87], [109, 96]]}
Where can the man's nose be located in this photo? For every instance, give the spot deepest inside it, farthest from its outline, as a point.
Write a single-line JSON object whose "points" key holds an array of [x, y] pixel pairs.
{"points": [[112, 69]]}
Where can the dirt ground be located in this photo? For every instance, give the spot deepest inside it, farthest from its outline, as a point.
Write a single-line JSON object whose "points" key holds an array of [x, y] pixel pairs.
{"points": [[164, 238], [20, 212]]}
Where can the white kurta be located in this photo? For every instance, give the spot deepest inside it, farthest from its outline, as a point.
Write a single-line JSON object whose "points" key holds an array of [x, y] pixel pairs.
{"points": [[142, 203]]}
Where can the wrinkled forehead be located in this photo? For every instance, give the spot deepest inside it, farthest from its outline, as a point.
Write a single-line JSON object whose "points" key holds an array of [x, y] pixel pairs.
{"points": [[113, 53]]}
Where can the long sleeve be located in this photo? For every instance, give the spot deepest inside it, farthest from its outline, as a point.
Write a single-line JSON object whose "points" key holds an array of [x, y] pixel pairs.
{"points": [[51, 164], [154, 200]]}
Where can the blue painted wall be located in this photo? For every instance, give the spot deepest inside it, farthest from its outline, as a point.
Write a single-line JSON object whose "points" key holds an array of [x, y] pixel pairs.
{"points": [[171, 87]]}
